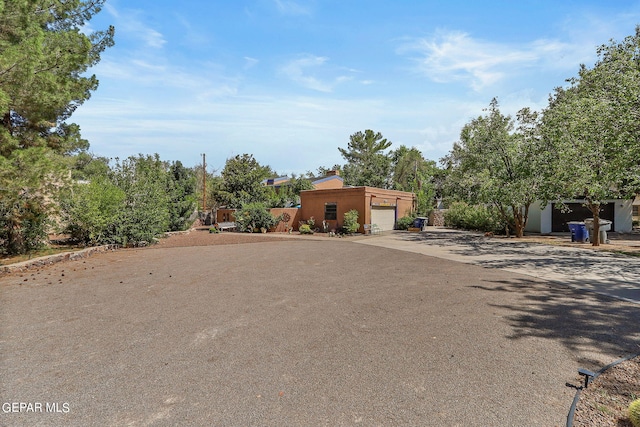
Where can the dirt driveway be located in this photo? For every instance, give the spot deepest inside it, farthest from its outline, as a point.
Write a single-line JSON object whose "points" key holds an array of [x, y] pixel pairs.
{"points": [[291, 333]]}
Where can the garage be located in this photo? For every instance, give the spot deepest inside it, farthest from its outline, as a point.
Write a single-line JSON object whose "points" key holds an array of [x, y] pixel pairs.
{"points": [[384, 217], [578, 212]]}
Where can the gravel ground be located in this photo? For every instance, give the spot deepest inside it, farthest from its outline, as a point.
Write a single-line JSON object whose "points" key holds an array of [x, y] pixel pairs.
{"points": [[205, 329], [606, 401]]}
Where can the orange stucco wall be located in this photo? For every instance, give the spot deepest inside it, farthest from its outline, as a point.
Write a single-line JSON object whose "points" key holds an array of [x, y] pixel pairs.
{"points": [[225, 215], [347, 198], [333, 182], [294, 217]]}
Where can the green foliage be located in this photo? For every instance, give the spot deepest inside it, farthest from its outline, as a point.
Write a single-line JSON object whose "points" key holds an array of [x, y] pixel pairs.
{"points": [[288, 194], [93, 211], [145, 213], [591, 130], [44, 50], [242, 178], [412, 173], [367, 163], [29, 179], [23, 224], [305, 229], [182, 199], [43, 78], [133, 202], [634, 413], [404, 223], [255, 215], [496, 163], [351, 221], [473, 217]]}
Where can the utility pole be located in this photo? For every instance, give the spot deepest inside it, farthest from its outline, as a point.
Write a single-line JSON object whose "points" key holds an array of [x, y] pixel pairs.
{"points": [[204, 183]]}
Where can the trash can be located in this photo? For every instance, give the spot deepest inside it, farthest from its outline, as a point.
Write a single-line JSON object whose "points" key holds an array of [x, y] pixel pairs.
{"points": [[579, 232], [605, 225], [420, 222]]}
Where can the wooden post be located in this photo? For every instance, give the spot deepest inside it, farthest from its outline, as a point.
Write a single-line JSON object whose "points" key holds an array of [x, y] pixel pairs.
{"points": [[204, 183]]}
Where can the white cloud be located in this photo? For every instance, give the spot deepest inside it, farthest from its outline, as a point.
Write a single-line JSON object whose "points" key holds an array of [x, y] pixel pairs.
{"points": [[250, 62], [456, 56], [304, 70], [129, 25], [290, 7]]}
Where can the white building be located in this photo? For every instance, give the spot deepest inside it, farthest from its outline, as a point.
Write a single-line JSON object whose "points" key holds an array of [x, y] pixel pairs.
{"points": [[548, 219]]}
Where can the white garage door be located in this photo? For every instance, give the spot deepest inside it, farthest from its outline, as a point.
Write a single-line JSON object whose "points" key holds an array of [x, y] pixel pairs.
{"points": [[383, 217]]}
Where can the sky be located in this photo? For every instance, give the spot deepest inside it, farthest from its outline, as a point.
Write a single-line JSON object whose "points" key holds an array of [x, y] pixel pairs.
{"points": [[289, 81]]}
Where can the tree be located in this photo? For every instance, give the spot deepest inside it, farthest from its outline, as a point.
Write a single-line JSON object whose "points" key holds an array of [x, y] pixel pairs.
{"points": [[288, 194], [242, 178], [495, 163], [43, 63], [591, 130], [413, 173], [181, 189], [367, 163]]}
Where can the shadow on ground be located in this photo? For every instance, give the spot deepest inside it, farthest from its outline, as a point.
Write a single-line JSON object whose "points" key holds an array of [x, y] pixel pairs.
{"points": [[579, 320], [578, 266]]}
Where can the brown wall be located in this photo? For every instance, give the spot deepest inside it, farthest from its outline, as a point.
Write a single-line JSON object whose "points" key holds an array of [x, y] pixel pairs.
{"points": [[347, 198], [225, 215], [330, 183], [294, 217]]}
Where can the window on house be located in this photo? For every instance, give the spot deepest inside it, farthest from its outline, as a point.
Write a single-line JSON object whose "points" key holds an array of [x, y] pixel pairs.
{"points": [[635, 210], [330, 211]]}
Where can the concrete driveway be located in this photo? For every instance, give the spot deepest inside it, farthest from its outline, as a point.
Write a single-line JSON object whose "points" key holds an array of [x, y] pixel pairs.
{"points": [[294, 333], [606, 273]]}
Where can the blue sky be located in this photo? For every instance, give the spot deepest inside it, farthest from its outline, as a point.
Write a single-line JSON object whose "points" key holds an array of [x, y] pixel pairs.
{"points": [[290, 80]]}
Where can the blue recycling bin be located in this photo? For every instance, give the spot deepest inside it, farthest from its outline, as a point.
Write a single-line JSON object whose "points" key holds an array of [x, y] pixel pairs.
{"points": [[420, 222], [579, 232]]}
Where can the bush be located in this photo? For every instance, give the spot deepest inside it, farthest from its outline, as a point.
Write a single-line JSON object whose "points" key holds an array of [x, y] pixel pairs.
{"points": [[93, 212], [351, 221], [404, 223], [634, 413], [254, 215], [478, 217], [23, 225], [305, 229]]}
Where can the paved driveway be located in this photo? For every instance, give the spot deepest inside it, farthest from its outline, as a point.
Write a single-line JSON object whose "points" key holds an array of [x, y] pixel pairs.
{"points": [[294, 333], [602, 272]]}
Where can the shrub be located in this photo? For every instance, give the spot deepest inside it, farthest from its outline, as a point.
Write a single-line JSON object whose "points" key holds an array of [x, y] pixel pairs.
{"points": [[634, 413], [404, 223], [23, 224], [305, 229], [477, 217], [93, 211], [351, 221], [255, 215]]}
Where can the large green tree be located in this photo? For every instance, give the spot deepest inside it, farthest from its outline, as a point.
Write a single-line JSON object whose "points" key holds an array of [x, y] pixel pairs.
{"points": [[367, 162], [413, 173], [44, 57], [241, 183], [591, 130], [494, 162]]}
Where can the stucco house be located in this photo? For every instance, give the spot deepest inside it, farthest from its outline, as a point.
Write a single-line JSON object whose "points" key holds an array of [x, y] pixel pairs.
{"points": [[374, 205], [331, 180], [549, 219]]}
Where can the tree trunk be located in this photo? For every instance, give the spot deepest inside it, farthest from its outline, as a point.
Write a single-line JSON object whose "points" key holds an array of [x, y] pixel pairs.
{"points": [[520, 220], [595, 210]]}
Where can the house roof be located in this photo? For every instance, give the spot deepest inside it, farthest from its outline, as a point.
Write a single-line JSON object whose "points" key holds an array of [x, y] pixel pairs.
{"points": [[275, 181], [318, 180]]}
